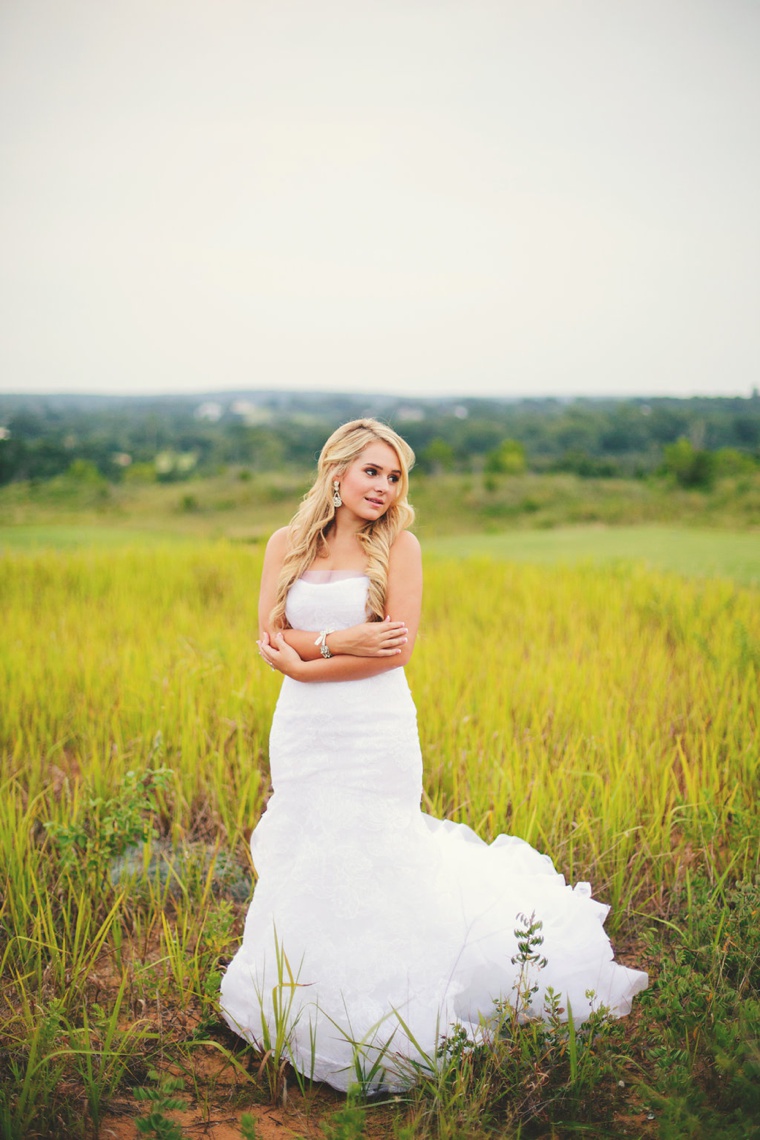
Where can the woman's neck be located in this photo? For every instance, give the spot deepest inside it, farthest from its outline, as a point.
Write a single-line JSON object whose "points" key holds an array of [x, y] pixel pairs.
{"points": [[344, 551]]}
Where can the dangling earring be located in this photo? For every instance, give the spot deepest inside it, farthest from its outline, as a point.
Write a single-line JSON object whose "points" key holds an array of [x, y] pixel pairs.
{"points": [[337, 501]]}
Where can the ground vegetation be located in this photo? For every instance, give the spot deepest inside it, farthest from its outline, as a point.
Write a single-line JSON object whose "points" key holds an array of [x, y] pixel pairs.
{"points": [[607, 712]]}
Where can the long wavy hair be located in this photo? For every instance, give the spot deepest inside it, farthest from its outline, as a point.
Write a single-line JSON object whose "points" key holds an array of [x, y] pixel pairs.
{"points": [[312, 522]]}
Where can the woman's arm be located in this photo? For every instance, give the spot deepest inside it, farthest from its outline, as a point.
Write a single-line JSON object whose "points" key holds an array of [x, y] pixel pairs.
{"points": [[370, 639], [403, 601], [274, 556]]}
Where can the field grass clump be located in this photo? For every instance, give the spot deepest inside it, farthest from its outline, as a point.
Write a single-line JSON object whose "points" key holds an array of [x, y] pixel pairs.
{"points": [[607, 714], [705, 1012]]}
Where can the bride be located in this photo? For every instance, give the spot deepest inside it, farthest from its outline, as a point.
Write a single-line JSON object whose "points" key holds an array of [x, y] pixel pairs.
{"points": [[373, 926]]}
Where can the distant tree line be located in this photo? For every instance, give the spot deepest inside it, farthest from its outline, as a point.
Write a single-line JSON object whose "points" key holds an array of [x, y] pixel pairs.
{"points": [[167, 439]]}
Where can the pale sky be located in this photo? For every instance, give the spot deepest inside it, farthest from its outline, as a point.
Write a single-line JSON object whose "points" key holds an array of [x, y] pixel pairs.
{"points": [[507, 197]]}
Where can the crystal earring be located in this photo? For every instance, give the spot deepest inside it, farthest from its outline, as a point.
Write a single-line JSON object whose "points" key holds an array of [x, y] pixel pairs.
{"points": [[337, 501]]}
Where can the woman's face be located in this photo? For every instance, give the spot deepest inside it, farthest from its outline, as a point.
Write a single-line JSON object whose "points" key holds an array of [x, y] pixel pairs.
{"points": [[371, 483]]}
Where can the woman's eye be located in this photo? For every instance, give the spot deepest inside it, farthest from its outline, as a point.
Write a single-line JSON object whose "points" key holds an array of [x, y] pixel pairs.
{"points": [[394, 478], [370, 471]]}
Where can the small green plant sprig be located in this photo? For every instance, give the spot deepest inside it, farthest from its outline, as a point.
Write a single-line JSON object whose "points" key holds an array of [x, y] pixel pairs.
{"points": [[529, 943], [162, 1098], [348, 1123], [247, 1126]]}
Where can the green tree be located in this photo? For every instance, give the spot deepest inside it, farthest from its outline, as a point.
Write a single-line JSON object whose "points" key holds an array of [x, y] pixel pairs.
{"points": [[689, 466], [438, 455], [84, 471], [507, 459], [729, 461]]}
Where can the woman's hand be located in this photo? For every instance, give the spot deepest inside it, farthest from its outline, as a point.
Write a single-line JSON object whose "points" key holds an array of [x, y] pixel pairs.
{"points": [[279, 655], [370, 639]]}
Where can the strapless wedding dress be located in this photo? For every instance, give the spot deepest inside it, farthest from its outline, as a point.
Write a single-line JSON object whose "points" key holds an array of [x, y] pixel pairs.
{"points": [[373, 926]]}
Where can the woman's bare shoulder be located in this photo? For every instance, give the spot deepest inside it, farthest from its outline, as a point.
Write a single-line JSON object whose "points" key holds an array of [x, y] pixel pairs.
{"points": [[278, 543], [277, 548], [406, 546]]}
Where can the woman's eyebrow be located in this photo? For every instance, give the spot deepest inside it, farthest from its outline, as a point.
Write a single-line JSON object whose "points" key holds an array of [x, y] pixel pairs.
{"points": [[379, 466]]}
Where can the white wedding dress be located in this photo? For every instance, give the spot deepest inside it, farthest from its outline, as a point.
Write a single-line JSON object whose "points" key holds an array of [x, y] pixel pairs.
{"points": [[374, 927]]}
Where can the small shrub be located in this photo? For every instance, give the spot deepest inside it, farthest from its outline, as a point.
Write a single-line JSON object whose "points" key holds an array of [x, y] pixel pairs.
{"points": [[105, 828]]}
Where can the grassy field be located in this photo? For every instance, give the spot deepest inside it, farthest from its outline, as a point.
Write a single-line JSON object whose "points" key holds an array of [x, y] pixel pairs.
{"points": [[689, 551], [605, 711], [683, 550], [241, 505]]}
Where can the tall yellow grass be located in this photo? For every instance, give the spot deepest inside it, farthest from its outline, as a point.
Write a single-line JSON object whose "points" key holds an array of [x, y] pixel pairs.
{"points": [[608, 716]]}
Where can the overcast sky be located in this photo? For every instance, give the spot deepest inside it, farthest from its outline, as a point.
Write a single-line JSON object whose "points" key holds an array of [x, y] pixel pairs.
{"points": [[409, 196]]}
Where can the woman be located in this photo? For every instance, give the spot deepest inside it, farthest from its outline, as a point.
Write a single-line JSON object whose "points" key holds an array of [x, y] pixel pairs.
{"points": [[373, 926]]}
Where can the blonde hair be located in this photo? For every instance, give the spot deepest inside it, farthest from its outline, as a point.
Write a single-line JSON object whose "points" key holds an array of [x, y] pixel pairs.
{"points": [[316, 515]]}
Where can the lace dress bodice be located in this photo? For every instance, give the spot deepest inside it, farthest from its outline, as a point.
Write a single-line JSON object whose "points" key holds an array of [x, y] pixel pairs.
{"points": [[333, 599]]}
